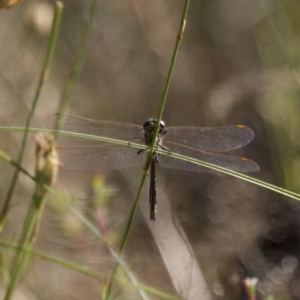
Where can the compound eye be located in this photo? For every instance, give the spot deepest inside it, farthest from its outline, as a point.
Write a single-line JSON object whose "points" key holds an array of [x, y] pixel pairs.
{"points": [[162, 124], [149, 122]]}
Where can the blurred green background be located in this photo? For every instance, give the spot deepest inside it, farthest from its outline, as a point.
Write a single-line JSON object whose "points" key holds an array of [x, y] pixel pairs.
{"points": [[238, 64]]}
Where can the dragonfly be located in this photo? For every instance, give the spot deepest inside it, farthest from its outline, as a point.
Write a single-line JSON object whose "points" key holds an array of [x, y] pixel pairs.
{"points": [[202, 143]]}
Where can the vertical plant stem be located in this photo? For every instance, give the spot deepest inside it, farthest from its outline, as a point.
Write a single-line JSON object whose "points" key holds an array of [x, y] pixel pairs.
{"points": [[26, 240], [152, 147], [46, 169], [90, 226], [126, 233], [68, 89], [45, 71], [174, 56]]}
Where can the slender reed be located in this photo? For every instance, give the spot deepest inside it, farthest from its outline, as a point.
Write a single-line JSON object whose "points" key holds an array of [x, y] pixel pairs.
{"points": [[69, 86], [46, 169], [152, 147], [244, 177], [88, 224], [44, 74]]}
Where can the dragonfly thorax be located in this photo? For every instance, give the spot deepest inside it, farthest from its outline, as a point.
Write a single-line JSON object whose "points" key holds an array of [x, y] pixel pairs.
{"points": [[149, 130]]}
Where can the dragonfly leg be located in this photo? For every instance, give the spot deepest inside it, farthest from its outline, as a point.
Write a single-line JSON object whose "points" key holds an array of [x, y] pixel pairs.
{"points": [[140, 151], [159, 145]]}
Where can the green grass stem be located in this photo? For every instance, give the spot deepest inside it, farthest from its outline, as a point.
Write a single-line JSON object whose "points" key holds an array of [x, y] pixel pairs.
{"points": [[82, 269], [153, 144], [73, 77], [44, 74], [26, 240], [138, 146], [126, 232], [46, 166], [247, 178], [88, 224]]}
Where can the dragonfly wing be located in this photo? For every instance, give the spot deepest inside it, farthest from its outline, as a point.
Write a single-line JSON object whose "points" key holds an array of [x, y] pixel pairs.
{"points": [[238, 164], [102, 158], [97, 127], [219, 139]]}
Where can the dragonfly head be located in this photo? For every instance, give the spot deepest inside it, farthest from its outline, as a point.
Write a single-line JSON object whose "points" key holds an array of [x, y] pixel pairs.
{"points": [[149, 129], [150, 124]]}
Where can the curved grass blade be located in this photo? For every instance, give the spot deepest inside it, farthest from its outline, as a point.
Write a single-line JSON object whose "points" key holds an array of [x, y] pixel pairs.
{"points": [[164, 152]]}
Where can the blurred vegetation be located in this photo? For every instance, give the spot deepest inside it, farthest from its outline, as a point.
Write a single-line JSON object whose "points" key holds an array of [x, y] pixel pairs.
{"points": [[238, 64]]}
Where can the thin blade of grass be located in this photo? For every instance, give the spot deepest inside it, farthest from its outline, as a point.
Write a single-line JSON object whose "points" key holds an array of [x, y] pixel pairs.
{"points": [[152, 146], [81, 269], [247, 178], [88, 224], [69, 86], [44, 74], [46, 167]]}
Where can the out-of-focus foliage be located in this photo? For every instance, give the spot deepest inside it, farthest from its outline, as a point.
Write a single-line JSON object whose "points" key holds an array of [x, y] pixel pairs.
{"points": [[238, 64], [8, 3]]}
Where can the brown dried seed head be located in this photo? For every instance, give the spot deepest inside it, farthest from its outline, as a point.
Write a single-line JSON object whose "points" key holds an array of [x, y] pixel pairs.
{"points": [[46, 158], [8, 3]]}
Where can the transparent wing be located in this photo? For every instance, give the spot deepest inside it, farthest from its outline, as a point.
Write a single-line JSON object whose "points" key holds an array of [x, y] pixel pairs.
{"points": [[102, 158], [96, 127], [233, 163], [219, 139]]}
